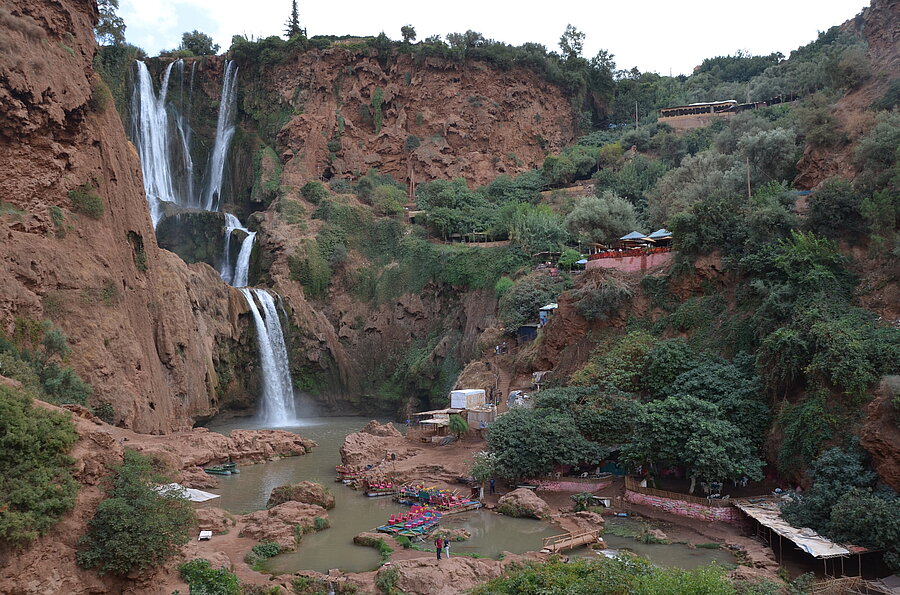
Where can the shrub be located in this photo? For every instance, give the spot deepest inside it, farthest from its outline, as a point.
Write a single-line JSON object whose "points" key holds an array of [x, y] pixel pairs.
{"points": [[101, 96], [834, 211], [519, 305], [262, 551], [36, 486], [136, 526], [314, 191], [203, 579], [310, 269], [86, 201], [603, 298], [320, 523], [503, 285], [386, 580]]}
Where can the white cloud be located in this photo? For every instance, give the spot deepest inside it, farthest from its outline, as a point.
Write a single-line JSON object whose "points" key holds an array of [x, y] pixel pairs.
{"points": [[650, 34]]}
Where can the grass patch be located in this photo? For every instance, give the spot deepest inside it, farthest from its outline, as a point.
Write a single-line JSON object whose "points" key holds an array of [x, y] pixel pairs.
{"points": [[86, 201], [709, 546]]}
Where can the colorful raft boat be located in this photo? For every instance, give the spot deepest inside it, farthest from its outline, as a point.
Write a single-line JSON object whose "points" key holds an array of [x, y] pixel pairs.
{"points": [[375, 490], [444, 500], [419, 521]]}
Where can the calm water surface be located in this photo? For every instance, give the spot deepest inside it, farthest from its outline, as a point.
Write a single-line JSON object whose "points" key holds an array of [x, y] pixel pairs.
{"points": [[353, 512]]}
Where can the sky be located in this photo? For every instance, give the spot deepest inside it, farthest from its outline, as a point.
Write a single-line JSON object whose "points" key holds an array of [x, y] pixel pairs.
{"points": [[654, 36]]}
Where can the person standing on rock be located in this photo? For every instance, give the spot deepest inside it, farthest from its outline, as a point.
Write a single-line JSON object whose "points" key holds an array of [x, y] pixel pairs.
{"points": [[438, 546], [447, 547]]}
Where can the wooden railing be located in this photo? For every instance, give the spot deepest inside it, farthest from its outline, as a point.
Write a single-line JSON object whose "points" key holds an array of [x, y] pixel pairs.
{"points": [[633, 485]]}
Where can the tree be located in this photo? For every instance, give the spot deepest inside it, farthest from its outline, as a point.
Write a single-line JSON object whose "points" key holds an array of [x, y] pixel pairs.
{"points": [[691, 432], [572, 43], [408, 33], [531, 443], [458, 425], [292, 25], [835, 211], [137, 526], [36, 486], [110, 28], [568, 258], [198, 43], [601, 219]]}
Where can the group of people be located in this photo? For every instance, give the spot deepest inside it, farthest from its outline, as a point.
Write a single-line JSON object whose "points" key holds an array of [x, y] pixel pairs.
{"points": [[442, 544]]}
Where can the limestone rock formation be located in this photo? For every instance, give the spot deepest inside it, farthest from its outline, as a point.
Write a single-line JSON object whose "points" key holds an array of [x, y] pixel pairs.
{"points": [[308, 492], [523, 502], [280, 523], [428, 576]]}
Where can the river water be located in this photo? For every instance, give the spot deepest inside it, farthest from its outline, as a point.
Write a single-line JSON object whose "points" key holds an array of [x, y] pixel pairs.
{"points": [[353, 513]]}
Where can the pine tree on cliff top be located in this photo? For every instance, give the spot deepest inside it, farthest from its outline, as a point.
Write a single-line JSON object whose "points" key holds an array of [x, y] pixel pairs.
{"points": [[292, 26]]}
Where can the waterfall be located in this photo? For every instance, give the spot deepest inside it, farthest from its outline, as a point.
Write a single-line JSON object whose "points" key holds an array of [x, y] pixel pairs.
{"points": [[242, 266], [183, 127], [236, 274], [224, 132], [277, 406], [151, 135]]}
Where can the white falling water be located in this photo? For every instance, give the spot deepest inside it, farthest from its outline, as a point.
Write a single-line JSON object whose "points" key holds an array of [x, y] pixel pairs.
{"points": [[151, 132], [242, 266], [277, 405], [183, 127], [224, 132], [236, 274]]}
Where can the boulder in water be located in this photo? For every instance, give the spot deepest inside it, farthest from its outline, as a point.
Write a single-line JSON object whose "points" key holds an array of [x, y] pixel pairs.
{"points": [[283, 524], [308, 492], [523, 503]]}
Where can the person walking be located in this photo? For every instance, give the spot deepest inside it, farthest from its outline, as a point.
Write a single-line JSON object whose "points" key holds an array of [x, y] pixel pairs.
{"points": [[438, 546], [447, 547]]}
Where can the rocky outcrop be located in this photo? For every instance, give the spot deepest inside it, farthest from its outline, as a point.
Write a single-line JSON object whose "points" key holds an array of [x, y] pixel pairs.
{"points": [[428, 576], [284, 524], [215, 519], [585, 519], [307, 492], [880, 434], [471, 120], [523, 503], [372, 445], [146, 330]]}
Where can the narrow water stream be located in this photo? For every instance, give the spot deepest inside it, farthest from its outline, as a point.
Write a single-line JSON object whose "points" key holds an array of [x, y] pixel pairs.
{"points": [[353, 512]]}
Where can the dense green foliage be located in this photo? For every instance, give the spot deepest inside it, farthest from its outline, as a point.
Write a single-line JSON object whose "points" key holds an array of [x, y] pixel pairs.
{"points": [[687, 431], [36, 486], [34, 357], [607, 577], [532, 443], [136, 526], [203, 579], [198, 43], [844, 504], [520, 303]]}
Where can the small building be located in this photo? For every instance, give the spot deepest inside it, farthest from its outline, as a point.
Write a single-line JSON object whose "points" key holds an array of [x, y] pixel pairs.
{"points": [[481, 417], [526, 333], [467, 398], [546, 312]]}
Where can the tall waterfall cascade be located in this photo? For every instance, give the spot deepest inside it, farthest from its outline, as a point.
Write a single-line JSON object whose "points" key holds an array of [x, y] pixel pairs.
{"points": [[277, 404], [162, 133]]}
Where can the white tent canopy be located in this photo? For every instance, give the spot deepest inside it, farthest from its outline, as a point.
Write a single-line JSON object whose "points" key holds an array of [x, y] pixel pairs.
{"points": [[176, 489], [768, 514]]}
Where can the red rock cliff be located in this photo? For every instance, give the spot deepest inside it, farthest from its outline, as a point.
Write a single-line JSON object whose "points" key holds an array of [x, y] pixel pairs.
{"points": [[142, 325]]}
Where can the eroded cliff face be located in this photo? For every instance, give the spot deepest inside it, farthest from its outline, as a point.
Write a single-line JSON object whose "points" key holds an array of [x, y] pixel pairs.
{"points": [[879, 26], [418, 120], [146, 330]]}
